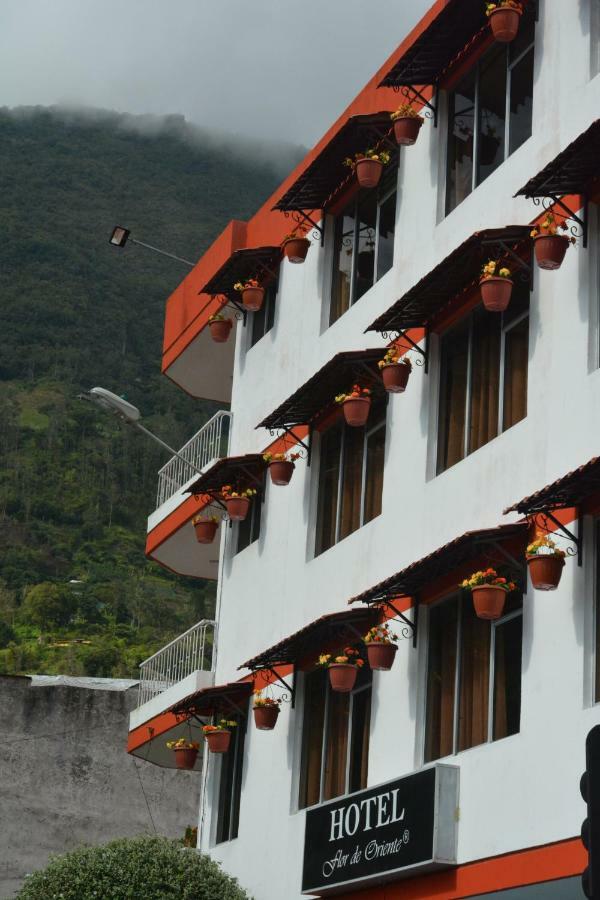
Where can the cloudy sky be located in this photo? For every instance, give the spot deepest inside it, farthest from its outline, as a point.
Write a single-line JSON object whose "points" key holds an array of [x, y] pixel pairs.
{"points": [[276, 69]]}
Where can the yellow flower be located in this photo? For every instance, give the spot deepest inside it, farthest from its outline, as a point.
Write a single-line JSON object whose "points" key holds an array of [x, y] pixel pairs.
{"points": [[504, 273]]}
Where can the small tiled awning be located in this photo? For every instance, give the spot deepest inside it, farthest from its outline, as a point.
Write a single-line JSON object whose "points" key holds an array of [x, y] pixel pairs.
{"points": [[315, 188], [449, 34], [224, 699], [317, 395], [252, 262], [572, 490], [571, 172], [239, 471], [455, 275], [471, 545], [340, 628]]}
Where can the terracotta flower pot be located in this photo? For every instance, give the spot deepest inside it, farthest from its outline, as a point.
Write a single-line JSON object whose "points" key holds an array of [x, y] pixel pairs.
{"points": [[489, 600], [296, 249], [395, 377], [368, 172], [252, 298], [406, 130], [205, 531], [381, 656], [342, 677], [496, 293], [550, 250], [265, 717], [218, 741], [545, 570], [237, 508], [504, 22], [356, 410], [185, 757], [281, 471], [220, 330]]}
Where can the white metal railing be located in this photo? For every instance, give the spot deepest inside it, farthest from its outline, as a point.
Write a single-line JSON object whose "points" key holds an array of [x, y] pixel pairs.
{"points": [[190, 652], [209, 443]]}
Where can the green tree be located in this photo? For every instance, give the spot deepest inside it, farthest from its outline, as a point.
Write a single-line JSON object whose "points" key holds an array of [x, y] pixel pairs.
{"points": [[49, 605], [131, 869]]}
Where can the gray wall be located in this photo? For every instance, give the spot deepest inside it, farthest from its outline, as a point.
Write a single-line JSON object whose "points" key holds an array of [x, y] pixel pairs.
{"points": [[66, 778]]}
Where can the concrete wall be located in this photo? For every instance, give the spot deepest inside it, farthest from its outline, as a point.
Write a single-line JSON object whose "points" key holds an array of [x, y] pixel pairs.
{"points": [[66, 778]]}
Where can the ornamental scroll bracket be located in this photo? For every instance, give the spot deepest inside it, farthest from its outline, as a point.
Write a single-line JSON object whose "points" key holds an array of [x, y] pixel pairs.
{"points": [[540, 522], [269, 672], [410, 627], [579, 228], [429, 106]]}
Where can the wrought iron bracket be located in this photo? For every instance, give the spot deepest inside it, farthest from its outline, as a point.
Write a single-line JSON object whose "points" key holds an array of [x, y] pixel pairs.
{"points": [[568, 534], [290, 688], [412, 624], [403, 336], [305, 444], [551, 200], [430, 106], [301, 217]]}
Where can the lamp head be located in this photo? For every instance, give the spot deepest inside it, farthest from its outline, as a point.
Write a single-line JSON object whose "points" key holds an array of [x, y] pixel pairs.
{"points": [[115, 404], [119, 236]]}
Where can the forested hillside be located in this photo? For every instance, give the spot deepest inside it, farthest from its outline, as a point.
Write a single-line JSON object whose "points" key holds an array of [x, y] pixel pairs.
{"points": [[76, 593]]}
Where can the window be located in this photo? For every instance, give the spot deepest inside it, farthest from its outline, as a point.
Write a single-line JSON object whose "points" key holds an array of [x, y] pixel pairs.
{"points": [[490, 114], [230, 785], [483, 372], [597, 612], [335, 738], [473, 676], [350, 479], [263, 319], [248, 530], [363, 244]]}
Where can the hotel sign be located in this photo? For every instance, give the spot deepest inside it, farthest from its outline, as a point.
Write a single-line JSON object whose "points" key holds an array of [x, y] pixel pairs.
{"points": [[398, 829]]}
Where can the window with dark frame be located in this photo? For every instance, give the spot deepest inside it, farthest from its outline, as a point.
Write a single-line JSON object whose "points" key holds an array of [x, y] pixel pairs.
{"points": [[597, 611], [473, 676], [363, 248], [263, 319], [230, 785], [350, 478], [248, 530], [335, 738], [483, 378], [490, 114]]}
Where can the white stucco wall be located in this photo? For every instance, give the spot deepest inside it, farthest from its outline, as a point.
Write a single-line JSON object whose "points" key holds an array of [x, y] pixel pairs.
{"points": [[522, 791]]}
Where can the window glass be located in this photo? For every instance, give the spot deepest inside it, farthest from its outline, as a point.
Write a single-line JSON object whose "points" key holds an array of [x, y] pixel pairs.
{"points": [[521, 101], [385, 235], [563, 889], [453, 396], [230, 786], [508, 643], [461, 131], [335, 738], [492, 112], [248, 530], [313, 727], [597, 679], [350, 479], [365, 259], [485, 376], [441, 676], [474, 678], [343, 252], [330, 459], [263, 319], [516, 357]]}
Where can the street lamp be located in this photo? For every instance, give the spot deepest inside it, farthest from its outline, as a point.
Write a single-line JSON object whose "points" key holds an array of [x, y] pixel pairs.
{"points": [[121, 235], [130, 415]]}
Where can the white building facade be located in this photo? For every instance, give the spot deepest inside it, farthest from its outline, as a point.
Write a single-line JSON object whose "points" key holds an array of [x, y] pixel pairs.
{"points": [[456, 773]]}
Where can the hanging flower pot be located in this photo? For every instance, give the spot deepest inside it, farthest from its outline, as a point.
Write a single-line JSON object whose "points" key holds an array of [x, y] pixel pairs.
{"points": [[550, 246], [368, 167], [545, 562], [489, 592], [281, 466], [355, 405], [237, 503], [343, 669], [218, 737], [220, 328], [496, 286], [381, 647], [407, 125], [252, 294], [505, 17], [205, 528], [266, 711], [185, 752], [295, 247], [395, 370]]}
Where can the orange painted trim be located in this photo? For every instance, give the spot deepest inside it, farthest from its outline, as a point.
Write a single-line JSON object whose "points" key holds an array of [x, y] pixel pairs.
{"points": [[550, 862]]}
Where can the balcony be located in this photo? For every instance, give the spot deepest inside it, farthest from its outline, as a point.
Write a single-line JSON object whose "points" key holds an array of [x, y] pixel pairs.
{"points": [[171, 540], [182, 667]]}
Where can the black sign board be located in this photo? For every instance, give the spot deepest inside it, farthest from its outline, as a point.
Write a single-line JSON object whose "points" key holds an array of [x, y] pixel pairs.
{"points": [[382, 832]]}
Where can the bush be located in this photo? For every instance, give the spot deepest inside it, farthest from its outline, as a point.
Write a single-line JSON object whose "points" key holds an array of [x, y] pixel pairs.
{"points": [[131, 869]]}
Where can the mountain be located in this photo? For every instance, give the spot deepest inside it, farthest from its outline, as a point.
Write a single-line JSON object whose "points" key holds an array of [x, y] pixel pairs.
{"points": [[77, 595]]}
